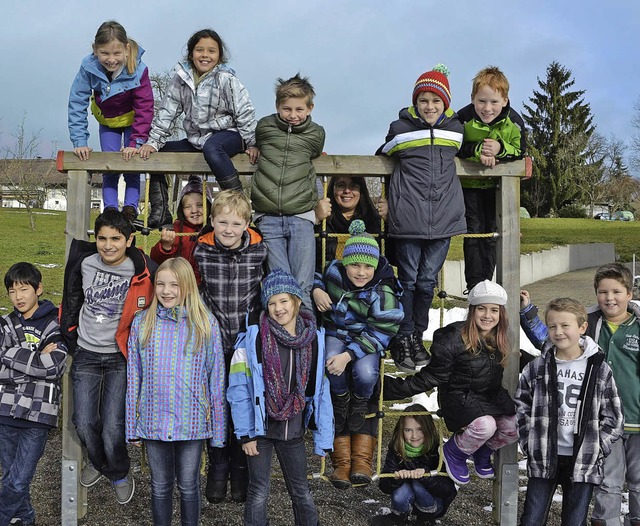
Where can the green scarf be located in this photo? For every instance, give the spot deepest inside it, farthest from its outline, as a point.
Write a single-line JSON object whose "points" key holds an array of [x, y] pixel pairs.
{"points": [[413, 452]]}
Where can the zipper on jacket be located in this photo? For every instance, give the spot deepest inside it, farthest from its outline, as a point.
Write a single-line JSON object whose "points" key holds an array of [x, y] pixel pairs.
{"points": [[284, 164]]}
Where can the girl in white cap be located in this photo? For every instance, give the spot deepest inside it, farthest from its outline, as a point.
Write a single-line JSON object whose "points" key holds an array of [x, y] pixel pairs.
{"points": [[467, 363]]}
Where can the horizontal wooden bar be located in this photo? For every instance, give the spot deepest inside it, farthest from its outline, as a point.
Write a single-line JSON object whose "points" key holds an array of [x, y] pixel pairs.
{"points": [[330, 165]]}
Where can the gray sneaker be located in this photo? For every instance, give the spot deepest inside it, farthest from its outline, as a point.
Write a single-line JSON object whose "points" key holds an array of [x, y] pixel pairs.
{"points": [[124, 488], [89, 476]]}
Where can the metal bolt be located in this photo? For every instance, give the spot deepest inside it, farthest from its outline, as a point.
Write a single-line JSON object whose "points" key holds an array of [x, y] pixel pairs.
{"points": [[70, 468], [71, 499]]}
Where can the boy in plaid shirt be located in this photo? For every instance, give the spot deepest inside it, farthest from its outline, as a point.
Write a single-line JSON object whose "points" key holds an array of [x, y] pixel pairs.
{"points": [[231, 259]]}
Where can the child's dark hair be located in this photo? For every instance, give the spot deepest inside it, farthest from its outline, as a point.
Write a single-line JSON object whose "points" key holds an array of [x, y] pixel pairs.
{"points": [[206, 33], [112, 30], [365, 209], [616, 271], [296, 87], [431, 438], [114, 219], [23, 272]]}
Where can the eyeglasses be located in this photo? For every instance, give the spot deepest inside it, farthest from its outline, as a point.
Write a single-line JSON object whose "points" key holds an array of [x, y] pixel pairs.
{"points": [[342, 186]]}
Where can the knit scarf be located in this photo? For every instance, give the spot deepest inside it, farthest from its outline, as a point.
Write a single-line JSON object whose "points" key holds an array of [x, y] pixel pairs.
{"points": [[281, 404], [413, 452]]}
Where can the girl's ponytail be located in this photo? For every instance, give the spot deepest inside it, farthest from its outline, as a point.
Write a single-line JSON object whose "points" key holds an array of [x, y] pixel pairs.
{"points": [[132, 59]]}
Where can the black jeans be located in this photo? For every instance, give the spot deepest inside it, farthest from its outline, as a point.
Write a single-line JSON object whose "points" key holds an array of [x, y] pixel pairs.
{"points": [[479, 252]]}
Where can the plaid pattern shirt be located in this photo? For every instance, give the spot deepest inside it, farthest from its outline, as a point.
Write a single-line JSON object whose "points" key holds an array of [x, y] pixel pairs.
{"points": [[29, 379], [599, 418], [230, 285]]}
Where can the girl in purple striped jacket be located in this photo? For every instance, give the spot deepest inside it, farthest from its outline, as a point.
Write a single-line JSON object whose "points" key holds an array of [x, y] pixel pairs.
{"points": [[176, 389]]}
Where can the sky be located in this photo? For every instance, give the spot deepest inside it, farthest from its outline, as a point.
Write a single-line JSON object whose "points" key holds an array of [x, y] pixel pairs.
{"points": [[362, 56]]}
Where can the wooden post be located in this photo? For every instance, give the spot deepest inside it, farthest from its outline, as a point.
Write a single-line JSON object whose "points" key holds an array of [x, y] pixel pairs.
{"points": [[74, 496], [505, 488]]}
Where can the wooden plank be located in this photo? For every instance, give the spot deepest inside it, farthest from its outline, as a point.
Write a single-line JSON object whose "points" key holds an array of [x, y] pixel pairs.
{"points": [[74, 496], [330, 165], [508, 275]]}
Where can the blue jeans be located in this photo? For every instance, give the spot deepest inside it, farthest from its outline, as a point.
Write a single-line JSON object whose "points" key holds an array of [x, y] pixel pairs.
{"points": [[622, 464], [111, 140], [413, 493], [171, 461], [419, 261], [20, 450], [292, 247], [575, 497], [364, 371], [217, 150], [99, 391], [293, 461]]}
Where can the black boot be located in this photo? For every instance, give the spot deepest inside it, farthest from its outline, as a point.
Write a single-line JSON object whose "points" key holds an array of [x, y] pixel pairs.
{"points": [[159, 202], [231, 183], [420, 356], [239, 483], [401, 349], [340, 411], [357, 413]]}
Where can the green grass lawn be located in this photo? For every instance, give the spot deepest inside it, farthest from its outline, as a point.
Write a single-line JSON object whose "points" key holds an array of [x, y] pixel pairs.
{"points": [[46, 246]]}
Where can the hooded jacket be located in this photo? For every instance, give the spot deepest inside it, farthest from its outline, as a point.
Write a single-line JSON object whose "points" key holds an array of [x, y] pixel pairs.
{"points": [[29, 379], [230, 280], [364, 318], [246, 393], [469, 383], [507, 128], [218, 102], [425, 196], [285, 181], [175, 392], [126, 100], [599, 418], [138, 296]]}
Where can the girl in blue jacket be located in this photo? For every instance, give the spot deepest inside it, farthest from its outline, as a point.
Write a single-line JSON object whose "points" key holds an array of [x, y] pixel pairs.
{"points": [[277, 390], [175, 389], [115, 82]]}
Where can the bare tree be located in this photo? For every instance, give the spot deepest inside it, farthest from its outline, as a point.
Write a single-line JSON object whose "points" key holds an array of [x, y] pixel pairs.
{"points": [[22, 173], [635, 138], [160, 83]]}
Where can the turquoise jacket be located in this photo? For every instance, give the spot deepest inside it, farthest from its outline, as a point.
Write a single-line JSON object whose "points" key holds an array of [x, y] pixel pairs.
{"points": [[246, 394]]}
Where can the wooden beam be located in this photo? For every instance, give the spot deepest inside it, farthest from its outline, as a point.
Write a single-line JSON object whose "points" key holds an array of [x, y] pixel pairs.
{"points": [[329, 165]]}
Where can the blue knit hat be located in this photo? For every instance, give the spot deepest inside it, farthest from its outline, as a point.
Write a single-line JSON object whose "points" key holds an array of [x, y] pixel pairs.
{"points": [[360, 247], [279, 282]]}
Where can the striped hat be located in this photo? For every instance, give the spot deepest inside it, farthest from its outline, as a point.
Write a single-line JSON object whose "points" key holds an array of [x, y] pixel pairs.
{"points": [[435, 81], [279, 282], [360, 247]]}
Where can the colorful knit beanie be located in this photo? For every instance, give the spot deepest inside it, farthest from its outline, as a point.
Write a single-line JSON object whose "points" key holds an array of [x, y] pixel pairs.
{"points": [[279, 282], [360, 247], [435, 81]]}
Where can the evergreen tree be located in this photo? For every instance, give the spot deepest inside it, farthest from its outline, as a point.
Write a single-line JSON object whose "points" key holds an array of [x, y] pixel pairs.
{"points": [[560, 127]]}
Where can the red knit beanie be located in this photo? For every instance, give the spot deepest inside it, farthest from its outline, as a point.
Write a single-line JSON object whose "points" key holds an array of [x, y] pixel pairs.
{"points": [[435, 81]]}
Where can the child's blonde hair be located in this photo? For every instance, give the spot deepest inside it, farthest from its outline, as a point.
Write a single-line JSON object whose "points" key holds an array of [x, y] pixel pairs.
{"points": [[567, 305], [497, 339], [112, 30], [235, 200], [494, 78], [198, 316], [296, 87], [428, 427]]}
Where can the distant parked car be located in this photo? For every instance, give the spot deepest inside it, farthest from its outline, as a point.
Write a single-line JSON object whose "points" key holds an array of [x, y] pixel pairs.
{"points": [[603, 216], [622, 215]]}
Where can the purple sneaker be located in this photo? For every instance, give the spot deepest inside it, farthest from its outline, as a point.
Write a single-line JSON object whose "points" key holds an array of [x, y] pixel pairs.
{"points": [[482, 461], [456, 462]]}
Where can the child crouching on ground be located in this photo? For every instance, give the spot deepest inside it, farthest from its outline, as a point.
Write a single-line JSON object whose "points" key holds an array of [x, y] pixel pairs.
{"points": [[413, 453], [359, 299], [569, 414], [278, 390]]}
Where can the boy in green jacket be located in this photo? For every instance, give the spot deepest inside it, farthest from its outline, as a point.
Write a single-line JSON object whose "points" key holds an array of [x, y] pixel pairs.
{"points": [[493, 132]]}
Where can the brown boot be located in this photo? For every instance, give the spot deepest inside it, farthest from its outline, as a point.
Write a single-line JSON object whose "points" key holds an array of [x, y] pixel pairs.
{"points": [[341, 462], [362, 448]]}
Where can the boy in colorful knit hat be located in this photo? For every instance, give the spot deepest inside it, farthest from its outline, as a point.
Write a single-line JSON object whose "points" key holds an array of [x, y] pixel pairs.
{"points": [[359, 301], [426, 206]]}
